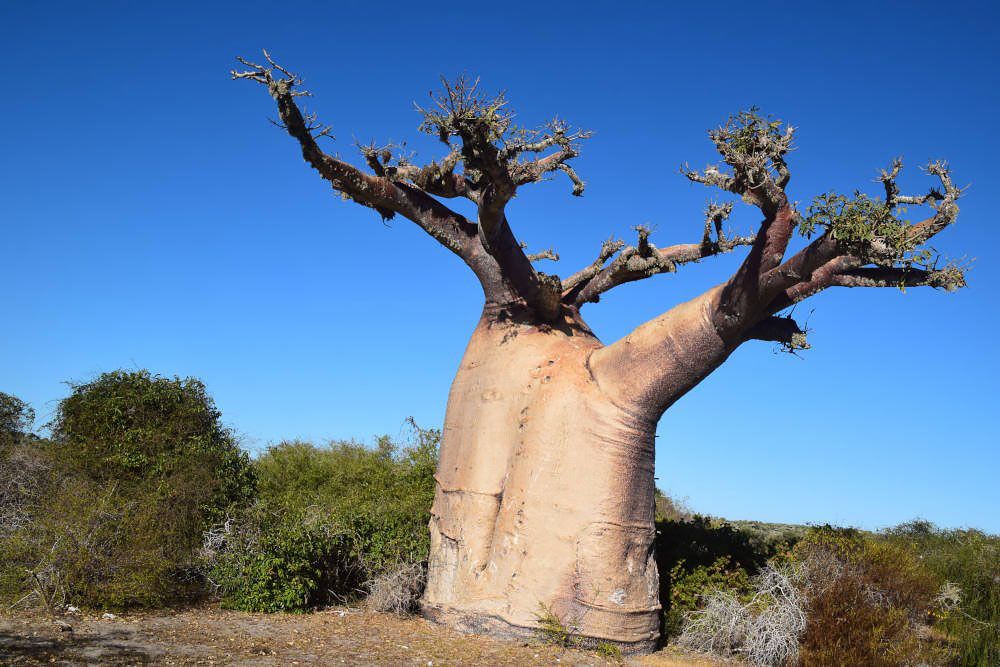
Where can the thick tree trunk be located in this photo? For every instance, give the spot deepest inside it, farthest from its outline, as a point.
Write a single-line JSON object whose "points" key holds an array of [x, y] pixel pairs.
{"points": [[544, 500]]}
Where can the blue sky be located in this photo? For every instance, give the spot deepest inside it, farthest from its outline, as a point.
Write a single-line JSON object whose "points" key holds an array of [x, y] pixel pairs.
{"points": [[151, 217]]}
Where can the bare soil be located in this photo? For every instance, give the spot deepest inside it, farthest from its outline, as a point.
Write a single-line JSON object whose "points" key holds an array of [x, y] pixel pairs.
{"points": [[211, 636]]}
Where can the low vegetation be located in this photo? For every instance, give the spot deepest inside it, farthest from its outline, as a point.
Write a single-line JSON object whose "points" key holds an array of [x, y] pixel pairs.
{"points": [[110, 510], [330, 523], [140, 497]]}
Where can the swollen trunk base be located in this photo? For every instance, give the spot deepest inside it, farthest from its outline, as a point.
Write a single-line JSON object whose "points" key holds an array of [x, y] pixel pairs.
{"points": [[544, 499]]}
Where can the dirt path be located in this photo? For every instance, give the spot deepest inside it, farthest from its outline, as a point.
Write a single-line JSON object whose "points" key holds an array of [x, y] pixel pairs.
{"points": [[210, 636]]}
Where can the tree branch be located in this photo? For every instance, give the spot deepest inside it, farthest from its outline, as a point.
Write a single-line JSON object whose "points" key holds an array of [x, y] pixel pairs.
{"points": [[782, 330], [950, 278], [491, 150], [644, 260], [545, 254], [375, 191]]}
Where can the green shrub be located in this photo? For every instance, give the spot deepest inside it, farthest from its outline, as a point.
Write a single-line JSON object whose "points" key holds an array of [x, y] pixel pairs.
{"points": [[690, 586], [327, 519], [132, 426], [970, 561], [16, 419], [137, 468], [282, 562], [90, 544], [23, 468], [866, 599], [668, 508], [696, 544]]}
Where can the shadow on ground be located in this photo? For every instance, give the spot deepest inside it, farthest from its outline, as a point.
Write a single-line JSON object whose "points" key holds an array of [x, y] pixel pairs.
{"points": [[112, 648]]}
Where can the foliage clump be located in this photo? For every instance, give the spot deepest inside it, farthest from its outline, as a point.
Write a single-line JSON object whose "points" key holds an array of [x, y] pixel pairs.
{"points": [[16, 419], [865, 225], [866, 600], [133, 427], [908, 595], [113, 513], [327, 520], [966, 564]]}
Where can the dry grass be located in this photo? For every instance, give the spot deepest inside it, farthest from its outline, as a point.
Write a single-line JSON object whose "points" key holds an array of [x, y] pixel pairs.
{"points": [[397, 590], [340, 636]]}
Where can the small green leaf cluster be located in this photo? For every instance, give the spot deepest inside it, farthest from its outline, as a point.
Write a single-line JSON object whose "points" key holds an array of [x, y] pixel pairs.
{"points": [[750, 134], [551, 629], [865, 225]]}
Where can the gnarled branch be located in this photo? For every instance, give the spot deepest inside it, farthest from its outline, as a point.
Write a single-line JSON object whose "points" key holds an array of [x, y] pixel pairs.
{"points": [[376, 191], [644, 259]]}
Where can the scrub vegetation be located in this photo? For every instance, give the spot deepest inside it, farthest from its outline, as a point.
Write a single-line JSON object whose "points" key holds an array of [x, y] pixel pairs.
{"points": [[140, 498]]}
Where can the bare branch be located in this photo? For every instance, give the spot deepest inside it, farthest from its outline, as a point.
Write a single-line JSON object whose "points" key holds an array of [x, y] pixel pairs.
{"points": [[892, 197], [376, 191], [608, 250], [950, 278], [644, 260], [712, 176], [946, 208], [715, 215], [784, 330], [545, 254]]}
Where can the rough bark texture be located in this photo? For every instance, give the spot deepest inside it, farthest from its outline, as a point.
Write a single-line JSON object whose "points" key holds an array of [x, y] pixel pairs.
{"points": [[544, 501]]}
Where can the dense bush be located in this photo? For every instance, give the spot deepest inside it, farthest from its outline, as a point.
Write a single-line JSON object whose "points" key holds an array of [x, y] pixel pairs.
{"points": [[269, 561], [697, 555], [132, 426], [16, 419], [21, 467], [763, 626], [691, 586], [866, 600], [967, 562], [136, 469], [327, 519]]}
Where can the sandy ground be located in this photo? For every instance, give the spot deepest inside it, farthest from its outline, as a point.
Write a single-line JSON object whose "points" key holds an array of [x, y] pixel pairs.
{"points": [[210, 636]]}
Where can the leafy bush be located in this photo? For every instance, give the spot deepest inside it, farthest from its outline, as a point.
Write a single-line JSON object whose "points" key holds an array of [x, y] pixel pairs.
{"points": [[690, 552], [138, 466], [16, 419], [668, 508], [866, 600], [133, 426], [91, 544], [967, 562], [328, 518], [22, 468], [690, 588], [287, 561]]}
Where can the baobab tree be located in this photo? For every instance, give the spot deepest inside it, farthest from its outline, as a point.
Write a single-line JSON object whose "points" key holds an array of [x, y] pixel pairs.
{"points": [[545, 485]]}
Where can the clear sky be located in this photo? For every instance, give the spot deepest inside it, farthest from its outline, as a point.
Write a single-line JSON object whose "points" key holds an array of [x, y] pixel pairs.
{"points": [[152, 218]]}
